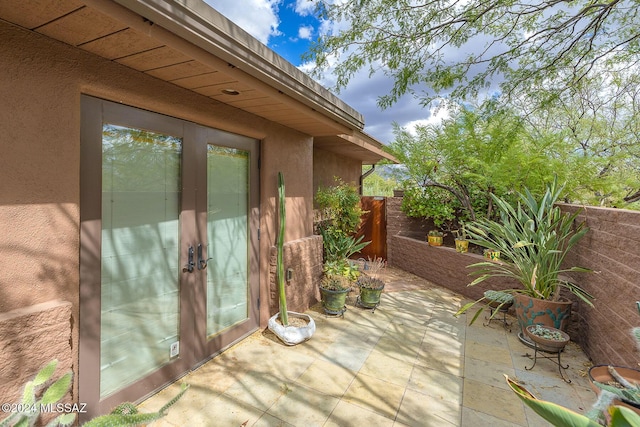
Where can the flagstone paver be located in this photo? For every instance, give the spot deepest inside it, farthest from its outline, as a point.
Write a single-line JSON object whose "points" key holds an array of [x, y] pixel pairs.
{"points": [[408, 363]]}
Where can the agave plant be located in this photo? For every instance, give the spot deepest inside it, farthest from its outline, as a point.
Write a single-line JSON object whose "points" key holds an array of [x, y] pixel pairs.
{"points": [[534, 239]]}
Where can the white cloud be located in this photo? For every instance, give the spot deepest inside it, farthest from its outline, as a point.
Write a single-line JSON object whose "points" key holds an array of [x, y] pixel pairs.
{"points": [[305, 32], [305, 7], [257, 17]]}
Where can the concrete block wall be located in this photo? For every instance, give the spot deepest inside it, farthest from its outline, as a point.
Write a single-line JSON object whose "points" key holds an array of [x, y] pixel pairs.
{"points": [[440, 265], [304, 257], [30, 338], [612, 248], [398, 224]]}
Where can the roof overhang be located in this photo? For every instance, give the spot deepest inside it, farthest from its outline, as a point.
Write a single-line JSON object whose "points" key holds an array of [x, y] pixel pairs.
{"points": [[189, 44], [359, 146]]}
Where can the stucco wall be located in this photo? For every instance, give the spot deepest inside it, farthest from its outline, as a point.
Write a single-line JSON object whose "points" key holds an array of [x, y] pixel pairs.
{"points": [[40, 87], [327, 165]]}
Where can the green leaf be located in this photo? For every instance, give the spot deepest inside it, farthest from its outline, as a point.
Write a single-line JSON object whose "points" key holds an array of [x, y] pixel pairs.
{"points": [[5, 422], [57, 390], [113, 420], [553, 413], [623, 417], [45, 373], [63, 420]]}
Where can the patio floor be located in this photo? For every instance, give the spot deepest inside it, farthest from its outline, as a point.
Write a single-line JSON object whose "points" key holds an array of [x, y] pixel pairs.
{"points": [[409, 363]]}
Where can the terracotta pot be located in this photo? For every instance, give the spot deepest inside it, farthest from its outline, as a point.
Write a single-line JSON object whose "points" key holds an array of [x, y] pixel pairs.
{"points": [[600, 373], [534, 311]]}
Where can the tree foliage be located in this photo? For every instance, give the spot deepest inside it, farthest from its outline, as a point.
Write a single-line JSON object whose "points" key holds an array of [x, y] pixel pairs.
{"points": [[451, 169], [462, 47]]}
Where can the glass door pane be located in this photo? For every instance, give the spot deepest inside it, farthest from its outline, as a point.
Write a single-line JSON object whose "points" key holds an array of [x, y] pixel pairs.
{"points": [[228, 237], [140, 254]]}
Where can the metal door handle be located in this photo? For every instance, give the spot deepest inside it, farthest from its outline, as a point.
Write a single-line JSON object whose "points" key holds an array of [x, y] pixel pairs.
{"points": [[202, 263], [190, 263]]}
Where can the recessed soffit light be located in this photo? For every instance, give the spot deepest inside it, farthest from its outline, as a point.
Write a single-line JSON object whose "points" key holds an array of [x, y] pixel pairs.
{"points": [[232, 92]]}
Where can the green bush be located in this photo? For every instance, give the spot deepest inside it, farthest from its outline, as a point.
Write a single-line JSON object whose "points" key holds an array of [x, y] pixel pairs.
{"points": [[340, 207]]}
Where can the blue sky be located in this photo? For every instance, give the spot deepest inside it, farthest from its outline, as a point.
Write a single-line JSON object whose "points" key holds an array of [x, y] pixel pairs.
{"points": [[288, 26]]}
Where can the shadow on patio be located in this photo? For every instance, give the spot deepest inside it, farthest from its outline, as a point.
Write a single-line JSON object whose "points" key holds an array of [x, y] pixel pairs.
{"points": [[409, 363]]}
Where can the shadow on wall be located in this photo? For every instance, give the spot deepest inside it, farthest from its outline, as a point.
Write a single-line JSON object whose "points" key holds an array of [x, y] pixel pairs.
{"points": [[38, 291]]}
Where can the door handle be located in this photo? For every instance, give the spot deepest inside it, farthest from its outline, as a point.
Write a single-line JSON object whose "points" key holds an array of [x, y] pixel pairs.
{"points": [[190, 263], [202, 263]]}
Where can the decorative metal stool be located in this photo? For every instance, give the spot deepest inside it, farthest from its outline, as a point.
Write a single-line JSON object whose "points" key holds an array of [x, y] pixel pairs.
{"points": [[501, 301], [550, 346]]}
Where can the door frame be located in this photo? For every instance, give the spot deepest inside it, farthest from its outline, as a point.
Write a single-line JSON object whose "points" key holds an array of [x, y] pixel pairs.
{"points": [[194, 346]]}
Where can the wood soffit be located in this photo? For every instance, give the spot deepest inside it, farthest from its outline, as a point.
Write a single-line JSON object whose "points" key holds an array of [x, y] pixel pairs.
{"points": [[144, 46]]}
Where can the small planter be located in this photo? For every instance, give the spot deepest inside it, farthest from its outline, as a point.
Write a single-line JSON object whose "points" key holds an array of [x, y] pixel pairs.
{"points": [[334, 301], [462, 246], [435, 239], [292, 335], [369, 297], [600, 373], [492, 254], [553, 338]]}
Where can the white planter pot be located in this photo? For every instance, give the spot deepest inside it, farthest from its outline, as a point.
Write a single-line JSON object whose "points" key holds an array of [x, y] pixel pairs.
{"points": [[292, 335]]}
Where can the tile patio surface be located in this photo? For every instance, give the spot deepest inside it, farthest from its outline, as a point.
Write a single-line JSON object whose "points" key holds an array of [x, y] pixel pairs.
{"points": [[409, 363]]}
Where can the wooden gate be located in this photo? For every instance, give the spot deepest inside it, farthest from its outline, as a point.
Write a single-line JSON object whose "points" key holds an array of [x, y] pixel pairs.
{"points": [[374, 227]]}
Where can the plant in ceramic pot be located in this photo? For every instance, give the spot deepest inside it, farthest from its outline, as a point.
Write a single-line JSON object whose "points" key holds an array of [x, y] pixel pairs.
{"points": [[605, 412], [334, 289], [623, 382], [461, 242], [534, 239], [492, 254], [370, 284], [279, 324], [618, 402], [435, 237], [340, 272]]}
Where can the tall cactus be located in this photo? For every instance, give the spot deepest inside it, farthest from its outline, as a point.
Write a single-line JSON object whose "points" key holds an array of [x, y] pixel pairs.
{"points": [[284, 318]]}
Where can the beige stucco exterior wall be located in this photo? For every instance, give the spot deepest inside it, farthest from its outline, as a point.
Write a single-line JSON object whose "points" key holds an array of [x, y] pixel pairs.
{"points": [[40, 86], [327, 165]]}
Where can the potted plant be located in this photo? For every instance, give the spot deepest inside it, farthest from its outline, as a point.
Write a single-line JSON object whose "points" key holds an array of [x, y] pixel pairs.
{"points": [[333, 290], [604, 412], [435, 237], [533, 238], [623, 382], [618, 403], [370, 284], [462, 244], [547, 336], [304, 327], [492, 254]]}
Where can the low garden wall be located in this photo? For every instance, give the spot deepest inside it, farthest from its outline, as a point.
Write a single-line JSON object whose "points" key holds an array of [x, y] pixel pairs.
{"points": [[304, 258], [612, 247]]}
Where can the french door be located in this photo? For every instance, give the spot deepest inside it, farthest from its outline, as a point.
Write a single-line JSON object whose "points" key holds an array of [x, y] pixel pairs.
{"points": [[169, 252]]}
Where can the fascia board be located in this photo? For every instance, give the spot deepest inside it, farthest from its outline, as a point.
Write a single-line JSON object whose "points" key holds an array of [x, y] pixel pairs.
{"points": [[201, 25]]}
